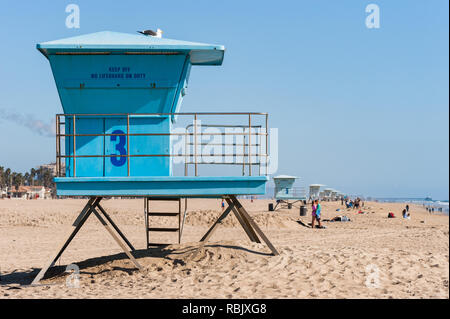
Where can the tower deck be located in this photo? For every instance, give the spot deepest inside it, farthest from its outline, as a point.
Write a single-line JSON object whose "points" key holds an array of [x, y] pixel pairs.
{"points": [[185, 186]]}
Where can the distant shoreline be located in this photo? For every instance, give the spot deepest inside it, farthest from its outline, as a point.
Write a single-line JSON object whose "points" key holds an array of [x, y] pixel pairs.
{"points": [[436, 204]]}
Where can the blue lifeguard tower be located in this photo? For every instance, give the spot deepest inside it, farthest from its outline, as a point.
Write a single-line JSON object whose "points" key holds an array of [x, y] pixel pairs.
{"points": [[121, 96], [285, 193]]}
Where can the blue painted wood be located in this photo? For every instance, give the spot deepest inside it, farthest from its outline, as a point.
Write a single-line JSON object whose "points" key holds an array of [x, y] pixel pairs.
{"points": [[145, 145], [107, 84], [161, 186], [85, 145]]}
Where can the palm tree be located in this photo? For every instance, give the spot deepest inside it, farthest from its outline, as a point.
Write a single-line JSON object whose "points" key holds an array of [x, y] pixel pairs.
{"points": [[46, 177], [32, 175], [2, 170], [27, 178], [12, 179], [17, 180], [7, 177]]}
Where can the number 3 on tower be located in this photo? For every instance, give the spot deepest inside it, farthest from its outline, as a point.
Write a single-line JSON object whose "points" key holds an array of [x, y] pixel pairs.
{"points": [[120, 147]]}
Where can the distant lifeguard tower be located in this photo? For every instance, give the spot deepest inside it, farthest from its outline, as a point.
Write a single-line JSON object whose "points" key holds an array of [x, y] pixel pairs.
{"points": [[285, 193], [327, 193], [122, 133], [333, 195], [314, 191]]}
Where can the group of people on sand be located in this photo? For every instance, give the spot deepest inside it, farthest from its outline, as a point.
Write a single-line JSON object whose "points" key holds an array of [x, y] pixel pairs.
{"points": [[355, 204], [316, 209], [405, 213]]}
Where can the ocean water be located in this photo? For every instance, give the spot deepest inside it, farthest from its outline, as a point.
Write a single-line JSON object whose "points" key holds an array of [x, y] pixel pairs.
{"points": [[438, 205]]}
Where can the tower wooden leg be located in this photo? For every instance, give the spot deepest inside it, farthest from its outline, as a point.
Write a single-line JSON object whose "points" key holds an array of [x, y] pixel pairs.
{"points": [[247, 228], [92, 204], [115, 227], [216, 223], [247, 217], [81, 219], [212, 229], [250, 227], [110, 231]]}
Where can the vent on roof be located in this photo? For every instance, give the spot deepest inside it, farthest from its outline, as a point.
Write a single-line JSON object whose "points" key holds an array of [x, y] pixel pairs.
{"points": [[82, 53], [153, 53]]}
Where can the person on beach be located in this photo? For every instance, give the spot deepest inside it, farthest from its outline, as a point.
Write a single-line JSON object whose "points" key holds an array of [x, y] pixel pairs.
{"points": [[357, 202], [405, 214], [316, 211], [223, 205], [313, 212]]}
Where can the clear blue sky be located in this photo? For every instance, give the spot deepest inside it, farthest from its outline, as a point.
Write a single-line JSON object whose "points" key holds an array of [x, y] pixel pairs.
{"points": [[365, 111]]}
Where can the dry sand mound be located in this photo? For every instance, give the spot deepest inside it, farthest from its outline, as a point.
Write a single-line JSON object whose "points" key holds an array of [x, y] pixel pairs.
{"points": [[263, 219]]}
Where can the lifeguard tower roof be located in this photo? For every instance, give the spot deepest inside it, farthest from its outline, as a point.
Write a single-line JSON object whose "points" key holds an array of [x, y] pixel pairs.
{"points": [[125, 43], [284, 177]]}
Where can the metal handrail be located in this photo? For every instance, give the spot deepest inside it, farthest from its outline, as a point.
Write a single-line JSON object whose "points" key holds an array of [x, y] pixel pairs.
{"points": [[187, 155], [171, 114], [160, 134], [249, 145]]}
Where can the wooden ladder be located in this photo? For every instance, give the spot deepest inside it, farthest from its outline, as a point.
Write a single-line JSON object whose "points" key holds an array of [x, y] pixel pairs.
{"points": [[149, 214]]}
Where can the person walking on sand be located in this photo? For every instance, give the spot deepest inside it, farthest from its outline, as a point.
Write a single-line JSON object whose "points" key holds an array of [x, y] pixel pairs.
{"points": [[313, 212], [316, 211], [223, 204]]}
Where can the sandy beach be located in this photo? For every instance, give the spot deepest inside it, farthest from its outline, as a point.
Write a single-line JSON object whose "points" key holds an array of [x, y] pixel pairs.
{"points": [[411, 257]]}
